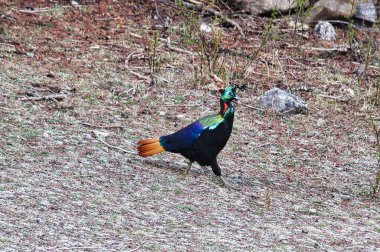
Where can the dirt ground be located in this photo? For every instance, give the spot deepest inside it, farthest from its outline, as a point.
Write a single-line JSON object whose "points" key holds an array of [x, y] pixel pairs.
{"points": [[303, 181]]}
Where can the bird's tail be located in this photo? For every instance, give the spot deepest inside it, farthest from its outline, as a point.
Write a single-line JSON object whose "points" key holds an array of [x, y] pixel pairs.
{"points": [[149, 147]]}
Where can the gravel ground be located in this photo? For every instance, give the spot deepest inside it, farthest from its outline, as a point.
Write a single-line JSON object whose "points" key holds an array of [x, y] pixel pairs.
{"points": [[303, 182]]}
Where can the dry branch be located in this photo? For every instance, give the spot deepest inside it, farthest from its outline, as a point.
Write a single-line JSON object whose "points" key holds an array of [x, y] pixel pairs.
{"points": [[176, 49], [343, 50], [330, 97], [126, 65], [129, 57], [137, 248], [54, 97], [140, 75], [111, 146], [102, 126], [251, 107], [40, 10]]}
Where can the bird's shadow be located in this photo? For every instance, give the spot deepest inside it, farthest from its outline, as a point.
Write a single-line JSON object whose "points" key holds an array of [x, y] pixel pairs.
{"points": [[196, 170], [178, 166]]}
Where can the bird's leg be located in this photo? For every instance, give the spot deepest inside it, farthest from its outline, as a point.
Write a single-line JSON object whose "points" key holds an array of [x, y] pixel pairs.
{"points": [[188, 168], [227, 184], [218, 172]]}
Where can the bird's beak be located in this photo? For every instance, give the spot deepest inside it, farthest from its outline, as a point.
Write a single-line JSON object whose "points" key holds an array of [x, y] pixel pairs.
{"points": [[237, 99]]}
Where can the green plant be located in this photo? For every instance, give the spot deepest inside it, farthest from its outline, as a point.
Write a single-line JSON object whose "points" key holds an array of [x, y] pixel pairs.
{"points": [[209, 47], [301, 12], [191, 21], [153, 63], [351, 26], [268, 199], [186, 207], [376, 130], [371, 56], [3, 31], [351, 34], [264, 40]]}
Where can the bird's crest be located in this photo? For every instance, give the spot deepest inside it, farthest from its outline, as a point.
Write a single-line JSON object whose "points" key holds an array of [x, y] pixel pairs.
{"points": [[239, 87]]}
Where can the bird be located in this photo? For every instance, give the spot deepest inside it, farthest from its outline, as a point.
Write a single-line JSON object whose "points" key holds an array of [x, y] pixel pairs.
{"points": [[202, 140]]}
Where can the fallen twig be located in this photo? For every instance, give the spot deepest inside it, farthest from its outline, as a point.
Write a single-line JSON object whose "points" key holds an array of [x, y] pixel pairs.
{"points": [[345, 50], [40, 10], [111, 146], [297, 33], [137, 248], [10, 109], [77, 248], [126, 65], [129, 57], [101, 126], [140, 76], [158, 13], [173, 48], [167, 43], [252, 107], [330, 97], [325, 49], [57, 97]]}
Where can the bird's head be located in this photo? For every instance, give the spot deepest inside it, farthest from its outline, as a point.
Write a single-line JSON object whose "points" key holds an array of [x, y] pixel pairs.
{"points": [[229, 93]]}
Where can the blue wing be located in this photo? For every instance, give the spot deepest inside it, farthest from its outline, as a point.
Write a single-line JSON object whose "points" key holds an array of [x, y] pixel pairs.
{"points": [[182, 139], [185, 137]]}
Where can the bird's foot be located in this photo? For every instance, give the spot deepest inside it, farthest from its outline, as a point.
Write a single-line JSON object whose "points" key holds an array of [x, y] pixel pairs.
{"points": [[228, 184], [187, 171]]}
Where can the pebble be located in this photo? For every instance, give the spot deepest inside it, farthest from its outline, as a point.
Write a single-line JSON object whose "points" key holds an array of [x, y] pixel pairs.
{"points": [[321, 122], [312, 211]]}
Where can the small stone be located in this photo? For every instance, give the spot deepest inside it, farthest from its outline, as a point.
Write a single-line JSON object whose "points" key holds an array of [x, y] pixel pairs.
{"points": [[125, 114], [74, 3], [312, 211], [205, 28], [181, 116], [298, 25], [321, 122], [50, 75], [325, 31], [30, 54], [346, 197], [360, 70], [282, 239], [87, 136], [350, 92], [364, 107]]}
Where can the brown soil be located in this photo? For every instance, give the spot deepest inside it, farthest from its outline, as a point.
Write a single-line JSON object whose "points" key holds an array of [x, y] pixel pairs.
{"points": [[303, 181]]}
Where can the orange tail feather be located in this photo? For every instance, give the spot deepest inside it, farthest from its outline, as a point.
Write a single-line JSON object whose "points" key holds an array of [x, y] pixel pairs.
{"points": [[149, 147]]}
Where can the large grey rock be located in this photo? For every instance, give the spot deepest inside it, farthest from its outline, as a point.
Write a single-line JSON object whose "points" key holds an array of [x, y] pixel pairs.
{"points": [[258, 7], [338, 9], [366, 11], [325, 31], [282, 102], [329, 9]]}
